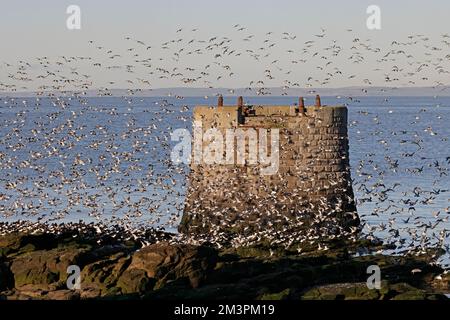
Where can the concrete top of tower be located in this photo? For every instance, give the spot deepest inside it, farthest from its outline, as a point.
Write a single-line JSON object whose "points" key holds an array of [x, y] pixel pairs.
{"points": [[234, 115], [267, 110]]}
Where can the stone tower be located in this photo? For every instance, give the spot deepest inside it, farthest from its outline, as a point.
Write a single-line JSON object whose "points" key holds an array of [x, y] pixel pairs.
{"points": [[309, 194]]}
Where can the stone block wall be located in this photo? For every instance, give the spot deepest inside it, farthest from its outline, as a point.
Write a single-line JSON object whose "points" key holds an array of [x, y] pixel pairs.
{"points": [[309, 198]]}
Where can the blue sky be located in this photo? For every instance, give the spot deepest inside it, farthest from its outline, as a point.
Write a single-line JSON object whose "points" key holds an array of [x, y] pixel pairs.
{"points": [[37, 28]]}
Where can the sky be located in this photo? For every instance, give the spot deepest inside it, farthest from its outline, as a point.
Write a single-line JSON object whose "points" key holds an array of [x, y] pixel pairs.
{"points": [[30, 29]]}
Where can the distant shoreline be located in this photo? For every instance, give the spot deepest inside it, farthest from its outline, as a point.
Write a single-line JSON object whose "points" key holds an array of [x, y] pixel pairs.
{"points": [[443, 91]]}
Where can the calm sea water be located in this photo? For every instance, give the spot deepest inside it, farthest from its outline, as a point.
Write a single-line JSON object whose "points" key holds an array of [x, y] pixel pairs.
{"points": [[109, 158]]}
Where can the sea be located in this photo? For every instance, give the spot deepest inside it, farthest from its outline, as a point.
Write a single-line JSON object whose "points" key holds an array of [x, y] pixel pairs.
{"points": [[108, 159]]}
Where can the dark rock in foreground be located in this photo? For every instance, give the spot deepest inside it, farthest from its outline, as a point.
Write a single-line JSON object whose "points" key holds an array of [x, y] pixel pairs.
{"points": [[34, 266]]}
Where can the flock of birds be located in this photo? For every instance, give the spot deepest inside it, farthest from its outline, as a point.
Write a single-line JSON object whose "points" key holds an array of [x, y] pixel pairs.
{"points": [[401, 174], [64, 154], [265, 60]]}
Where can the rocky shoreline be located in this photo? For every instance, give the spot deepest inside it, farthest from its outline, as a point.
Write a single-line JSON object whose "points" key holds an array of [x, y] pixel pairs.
{"points": [[33, 265]]}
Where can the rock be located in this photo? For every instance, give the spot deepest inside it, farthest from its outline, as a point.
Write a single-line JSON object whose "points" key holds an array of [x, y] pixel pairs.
{"points": [[102, 275], [135, 281], [276, 296], [33, 267], [23, 242], [15, 295], [165, 262], [63, 295], [45, 267], [360, 291], [411, 295], [90, 292], [6, 277], [441, 282], [342, 291], [9, 243], [31, 291]]}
